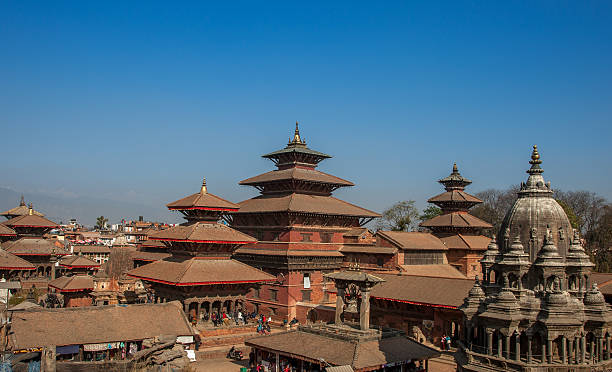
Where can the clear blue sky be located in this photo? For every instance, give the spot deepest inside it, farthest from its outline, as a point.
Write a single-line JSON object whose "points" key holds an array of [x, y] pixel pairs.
{"points": [[139, 100]]}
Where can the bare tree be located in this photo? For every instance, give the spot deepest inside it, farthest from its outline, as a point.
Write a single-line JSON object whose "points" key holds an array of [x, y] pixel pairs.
{"points": [[495, 205], [401, 216], [587, 206]]}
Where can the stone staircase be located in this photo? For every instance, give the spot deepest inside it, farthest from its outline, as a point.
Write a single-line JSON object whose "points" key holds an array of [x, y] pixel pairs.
{"points": [[216, 342]]}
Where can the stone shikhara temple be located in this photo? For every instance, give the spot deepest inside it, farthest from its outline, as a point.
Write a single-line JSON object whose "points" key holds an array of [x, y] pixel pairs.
{"points": [[535, 309]]}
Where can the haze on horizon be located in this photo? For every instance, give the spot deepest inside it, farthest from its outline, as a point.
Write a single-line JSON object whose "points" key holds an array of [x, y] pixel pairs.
{"points": [[127, 106]]}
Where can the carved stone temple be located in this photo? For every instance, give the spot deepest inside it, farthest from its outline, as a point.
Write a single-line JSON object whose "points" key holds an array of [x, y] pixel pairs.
{"points": [[535, 309]]}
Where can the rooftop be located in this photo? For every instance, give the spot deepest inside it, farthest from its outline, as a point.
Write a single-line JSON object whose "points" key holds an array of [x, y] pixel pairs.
{"points": [[33, 247], [413, 240], [203, 232], [75, 283]]}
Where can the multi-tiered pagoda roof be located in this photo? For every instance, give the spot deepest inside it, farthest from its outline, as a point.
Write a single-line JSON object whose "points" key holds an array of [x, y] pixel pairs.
{"points": [[200, 248], [455, 226], [20, 210]]}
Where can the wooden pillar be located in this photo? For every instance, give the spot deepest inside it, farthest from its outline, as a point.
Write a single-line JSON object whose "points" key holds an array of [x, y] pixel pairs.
{"points": [[529, 353], [277, 367]]}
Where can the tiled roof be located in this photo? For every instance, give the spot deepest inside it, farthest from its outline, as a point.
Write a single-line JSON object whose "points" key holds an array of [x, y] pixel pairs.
{"points": [[436, 291], [435, 271], [355, 232], [33, 247], [9, 261], [202, 201], [6, 231], [303, 203], [20, 210], [30, 220], [203, 232], [75, 261], [296, 174], [97, 324], [470, 242], [456, 219], [90, 249], [74, 283], [338, 352], [412, 240], [454, 196], [288, 253], [197, 271], [362, 248]]}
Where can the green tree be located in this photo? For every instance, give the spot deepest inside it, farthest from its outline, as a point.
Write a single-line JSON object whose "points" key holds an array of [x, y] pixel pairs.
{"points": [[569, 211], [429, 213], [401, 216], [101, 222]]}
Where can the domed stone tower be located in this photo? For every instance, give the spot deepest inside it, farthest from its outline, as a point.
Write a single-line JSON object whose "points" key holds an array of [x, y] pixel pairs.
{"points": [[534, 213], [533, 309]]}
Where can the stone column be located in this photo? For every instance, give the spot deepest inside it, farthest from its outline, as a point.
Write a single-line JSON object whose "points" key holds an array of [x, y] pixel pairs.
{"points": [[339, 304], [277, 367], [563, 350], [592, 353], [549, 350], [507, 346], [499, 344], [607, 347], [529, 353], [599, 349], [489, 342], [582, 349], [543, 360], [364, 313], [570, 351], [517, 349]]}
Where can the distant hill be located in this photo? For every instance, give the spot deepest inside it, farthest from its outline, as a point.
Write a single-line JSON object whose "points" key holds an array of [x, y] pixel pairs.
{"points": [[85, 210]]}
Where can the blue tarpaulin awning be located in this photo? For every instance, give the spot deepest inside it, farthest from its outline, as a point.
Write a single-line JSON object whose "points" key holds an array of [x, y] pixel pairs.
{"points": [[68, 349]]}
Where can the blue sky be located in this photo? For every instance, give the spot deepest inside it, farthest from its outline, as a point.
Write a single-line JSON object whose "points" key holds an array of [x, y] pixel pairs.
{"points": [[138, 100]]}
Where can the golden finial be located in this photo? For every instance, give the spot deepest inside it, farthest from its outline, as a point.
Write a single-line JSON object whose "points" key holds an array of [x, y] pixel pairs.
{"points": [[455, 170], [535, 155], [203, 190], [30, 210], [296, 135], [22, 202]]}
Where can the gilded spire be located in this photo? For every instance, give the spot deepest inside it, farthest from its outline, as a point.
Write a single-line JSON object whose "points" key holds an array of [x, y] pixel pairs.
{"points": [[22, 202], [296, 136], [203, 190], [455, 170], [30, 210], [535, 161]]}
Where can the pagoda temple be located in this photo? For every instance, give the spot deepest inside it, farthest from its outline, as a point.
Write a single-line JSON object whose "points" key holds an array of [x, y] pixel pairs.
{"points": [[535, 308], [200, 272], [299, 226], [456, 227]]}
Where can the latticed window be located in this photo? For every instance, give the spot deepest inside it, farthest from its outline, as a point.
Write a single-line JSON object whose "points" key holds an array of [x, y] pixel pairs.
{"points": [[273, 294], [306, 295], [423, 258]]}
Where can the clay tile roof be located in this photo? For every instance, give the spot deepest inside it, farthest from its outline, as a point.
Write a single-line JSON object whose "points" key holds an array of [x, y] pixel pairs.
{"points": [[456, 219], [90, 249], [151, 243], [362, 248], [97, 324], [20, 210], [33, 247], [9, 261], [471, 242], [303, 203], [413, 240], [435, 291], [183, 271], [296, 174], [454, 196], [6, 231], [74, 283], [338, 352], [203, 232], [75, 261], [355, 232], [287, 253], [30, 221], [149, 256], [202, 201], [436, 271]]}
